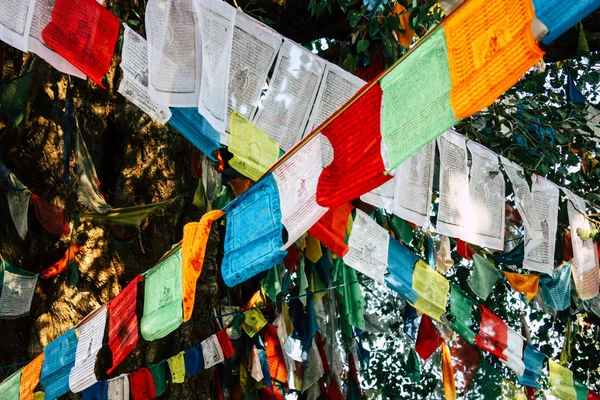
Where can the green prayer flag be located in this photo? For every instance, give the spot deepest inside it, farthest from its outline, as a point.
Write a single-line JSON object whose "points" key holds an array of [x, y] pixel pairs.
{"points": [[163, 304], [302, 281], [134, 215], [271, 283], [402, 229], [484, 276], [158, 372], [413, 366], [487, 383], [581, 390], [14, 96], [416, 100], [353, 304], [9, 389], [461, 308]]}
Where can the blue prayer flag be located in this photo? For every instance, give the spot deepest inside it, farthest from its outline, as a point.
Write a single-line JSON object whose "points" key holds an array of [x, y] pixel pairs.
{"points": [[560, 15], [97, 392], [59, 359], [401, 262], [194, 360], [533, 359], [556, 289], [195, 128]]}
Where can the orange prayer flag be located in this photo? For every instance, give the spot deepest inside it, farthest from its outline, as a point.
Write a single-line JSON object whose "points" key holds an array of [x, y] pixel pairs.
{"points": [[239, 186], [404, 38], [193, 248], [331, 229], [448, 373], [61, 265], [527, 284], [274, 353], [490, 47], [30, 377]]}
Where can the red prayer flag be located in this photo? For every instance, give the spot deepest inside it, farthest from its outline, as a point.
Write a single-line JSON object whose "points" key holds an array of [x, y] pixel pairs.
{"points": [[428, 339], [331, 229], [85, 34], [357, 166], [270, 393], [375, 67], [142, 385], [274, 353], [50, 216], [123, 323], [593, 395], [463, 249], [493, 334], [531, 393], [225, 343], [465, 358], [331, 392], [61, 265]]}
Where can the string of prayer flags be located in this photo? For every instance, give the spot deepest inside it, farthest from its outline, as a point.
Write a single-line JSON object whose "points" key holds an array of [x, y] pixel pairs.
{"points": [[212, 352], [85, 34], [88, 192], [487, 383], [556, 289], [195, 128], [254, 152], [142, 384], [193, 360], [484, 276], [331, 228], [14, 96], [297, 179], [461, 308], [432, 289], [465, 359], [523, 283], [51, 217], [401, 262], [561, 381], [91, 332], [30, 377], [253, 234], [490, 47], [163, 310], [286, 108], [357, 167], [9, 388], [368, 244], [133, 215], [193, 249], [61, 265], [118, 388], [123, 323], [59, 359], [428, 339], [177, 367], [159, 373], [416, 110], [559, 16], [17, 289], [448, 373], [534, 360]]}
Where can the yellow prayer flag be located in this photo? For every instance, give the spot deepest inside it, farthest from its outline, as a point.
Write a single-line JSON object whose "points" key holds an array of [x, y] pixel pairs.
{"points": [[254, 322], [313, 249], [254, 152], [38, 396], [432, 288], [511, 391], [561, 382], [177, 367]]}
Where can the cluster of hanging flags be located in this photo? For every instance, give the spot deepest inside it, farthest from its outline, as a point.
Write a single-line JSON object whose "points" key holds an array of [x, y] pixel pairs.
{"points": [[479, 51]]}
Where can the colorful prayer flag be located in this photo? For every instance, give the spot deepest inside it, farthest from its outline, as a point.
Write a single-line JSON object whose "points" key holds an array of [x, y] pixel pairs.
{"points": [[401, 262], [331, 229], [142, 385], [465, 359], [524, 283], [560, 15], [30, 377], [14, 97], [9, 388], [448, 373], [533, 359], [59, 359], [561, 381], [556, 289], [484, 276], [432, 288], [461, 308], [428, 339], [195, 128], [177, 368], [50, 216]]}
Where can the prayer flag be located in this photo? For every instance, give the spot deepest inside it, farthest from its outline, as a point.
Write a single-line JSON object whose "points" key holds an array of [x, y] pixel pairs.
{"points": [[560, 15], [401, 262], [461, 308], [448, 373], [142, 384], [195, 128], [193, 360], [14, 97], [85, 34], [484, 276], [533, 359], [432, 288], [9, 388], [465, 358], [352, 307], [581, 390], [274, 353], [357, 166], [30, 377], [225, 343], [524, 283], [510, 391], [556, 289], [588, 286], [133, 215], [177, 368], [331, 229], [193, 249], [91, 332], [428, 340], [490, 47], [163, 310], [123, 323], [59, 359], [254, 321], [61, 265], [50, 216], [88, 192], [416, 100], [212, 353], [18, 203], [118, 388], [158, 372], [18, 287], [561, 382], [98, 391], [253, 236]]}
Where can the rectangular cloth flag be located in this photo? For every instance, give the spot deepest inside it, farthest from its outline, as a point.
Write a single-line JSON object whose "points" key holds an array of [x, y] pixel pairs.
{"points": [[274, 352], [177, 367], [163, 303], [465, 359], [15, 23], [461, 308], [85, 34], [487, 383], [118, 388], [534, 360], [432, 288], [9, 388], [556, 289], [195, 128], [560, 15], [133, 215], [368, 244], [416, 100], [524, 283], [253, 236], [428, 338], [331, 229], [484, 276], [18, 287], [88, 191], [401, 263], [18, 203], [254, 152], [14, 97], [51, 217], [357, 166], [123, 323], [59, 358], [587, 287], [490, 47], [561, 381], [30, 377], [212, 352], [142, 384], [91, 332]]}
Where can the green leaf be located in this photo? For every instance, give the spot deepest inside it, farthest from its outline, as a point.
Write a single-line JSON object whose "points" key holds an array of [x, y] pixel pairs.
{"points": [[562, 139], [363, 44], [353, 17], [349, 64]]}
